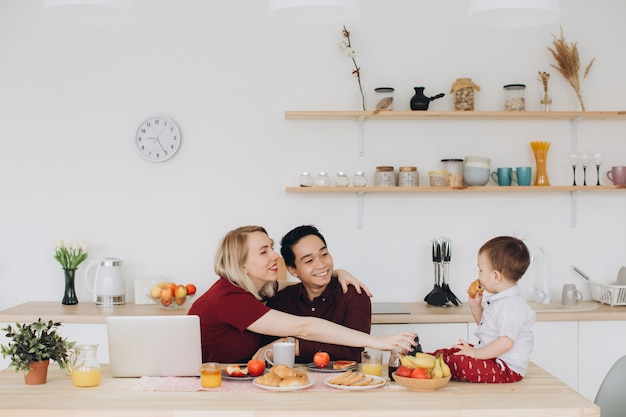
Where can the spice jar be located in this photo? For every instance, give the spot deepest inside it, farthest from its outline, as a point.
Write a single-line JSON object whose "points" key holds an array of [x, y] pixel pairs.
{"points": [[359, 179], [408, 177], [306, 180], [514, 97], [438, 178], [394, 361], [384, 98], [384, 176], [322, 180], [455, 171], [342, 180], [463, 89]]}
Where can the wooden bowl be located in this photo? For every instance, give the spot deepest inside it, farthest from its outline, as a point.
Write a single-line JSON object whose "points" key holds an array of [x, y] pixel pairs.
{"points": [[416, 384]]}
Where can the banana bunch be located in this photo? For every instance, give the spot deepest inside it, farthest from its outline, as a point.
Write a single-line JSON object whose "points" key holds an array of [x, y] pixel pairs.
{"points": [[436, 366]]}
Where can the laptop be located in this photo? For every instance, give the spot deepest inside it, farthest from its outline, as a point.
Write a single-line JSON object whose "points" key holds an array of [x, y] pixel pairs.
{"points": [[154, 345]]}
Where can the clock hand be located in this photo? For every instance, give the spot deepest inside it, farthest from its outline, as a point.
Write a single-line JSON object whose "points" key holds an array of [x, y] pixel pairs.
{"points": [[159, 142]]}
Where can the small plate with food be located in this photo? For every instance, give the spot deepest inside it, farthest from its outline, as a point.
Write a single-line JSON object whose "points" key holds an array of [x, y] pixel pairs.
{"points": [[333, 366], [283, 378], [355, 381], [240, 373]]}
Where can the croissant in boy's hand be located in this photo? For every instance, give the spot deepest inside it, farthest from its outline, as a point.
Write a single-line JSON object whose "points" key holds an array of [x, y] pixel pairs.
{"points": [[475, 288]]}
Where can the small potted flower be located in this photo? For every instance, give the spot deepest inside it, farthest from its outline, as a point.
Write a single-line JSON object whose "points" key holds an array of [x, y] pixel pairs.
{"points": [[70, 257], [32, 346]]}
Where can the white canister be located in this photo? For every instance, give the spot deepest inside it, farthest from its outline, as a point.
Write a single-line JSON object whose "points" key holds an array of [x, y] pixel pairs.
{"points": [[408, 177], [385, 176]]}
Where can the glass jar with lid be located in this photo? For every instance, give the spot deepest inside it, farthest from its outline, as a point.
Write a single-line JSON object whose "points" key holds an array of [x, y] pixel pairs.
{"points": [[384, 98], [342, 180], [455, 171], [322, 180], [359, 180], [306, 180], [385, 176], [514, 97]]}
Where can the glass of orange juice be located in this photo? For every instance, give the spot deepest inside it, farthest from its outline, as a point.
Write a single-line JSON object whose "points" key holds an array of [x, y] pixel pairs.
{"points": [[372, 362], [211, 375]]}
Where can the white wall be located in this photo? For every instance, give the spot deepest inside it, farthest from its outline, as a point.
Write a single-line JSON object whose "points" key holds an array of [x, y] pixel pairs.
{"points": [[72, 97]]}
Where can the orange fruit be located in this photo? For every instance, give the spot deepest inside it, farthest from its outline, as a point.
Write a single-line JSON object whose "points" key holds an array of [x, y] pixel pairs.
{"points": [[191, 289]]}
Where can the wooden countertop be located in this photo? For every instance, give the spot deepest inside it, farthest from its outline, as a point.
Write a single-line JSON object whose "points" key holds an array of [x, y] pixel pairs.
{"points": [[539, 394], [89, 312]]}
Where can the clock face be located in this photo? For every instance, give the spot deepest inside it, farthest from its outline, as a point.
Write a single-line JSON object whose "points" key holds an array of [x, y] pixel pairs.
{"points": [[157, 139]]}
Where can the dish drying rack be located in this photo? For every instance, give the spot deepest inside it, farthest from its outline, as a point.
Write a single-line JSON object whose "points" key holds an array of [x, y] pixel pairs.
{"points": [[612, 294]]}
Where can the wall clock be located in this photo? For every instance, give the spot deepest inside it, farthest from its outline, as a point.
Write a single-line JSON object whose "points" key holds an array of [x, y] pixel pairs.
{"points": [[157, 139]]}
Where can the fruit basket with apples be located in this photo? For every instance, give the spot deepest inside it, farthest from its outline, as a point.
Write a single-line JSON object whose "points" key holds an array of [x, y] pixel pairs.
{"points": [[171, 296]]}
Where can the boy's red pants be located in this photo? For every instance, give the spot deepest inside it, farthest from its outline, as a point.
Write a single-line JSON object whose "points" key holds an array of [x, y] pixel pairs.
{"points": [[464, 368]]}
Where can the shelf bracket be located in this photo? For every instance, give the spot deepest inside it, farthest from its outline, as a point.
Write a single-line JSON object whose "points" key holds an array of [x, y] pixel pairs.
{"points": [[574, 124], [359, 209], [360, 135], [573, 207]]}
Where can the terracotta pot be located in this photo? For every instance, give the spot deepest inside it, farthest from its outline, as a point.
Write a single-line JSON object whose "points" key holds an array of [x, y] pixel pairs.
{"points": [[38, 373]]}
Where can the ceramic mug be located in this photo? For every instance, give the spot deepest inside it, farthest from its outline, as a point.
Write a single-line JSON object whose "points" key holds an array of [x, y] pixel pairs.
{"points": [[570, 296], [522, 175], [503, 176], [617, 175], [283, 353]]}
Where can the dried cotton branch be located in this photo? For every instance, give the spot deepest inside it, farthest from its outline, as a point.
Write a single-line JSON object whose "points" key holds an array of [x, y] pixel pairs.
{"points": [[346, 46]]}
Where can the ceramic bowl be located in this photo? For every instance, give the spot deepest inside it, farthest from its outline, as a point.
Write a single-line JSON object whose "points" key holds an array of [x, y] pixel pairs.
{"points": [[480, 159], [416, 384], [475, 176]]}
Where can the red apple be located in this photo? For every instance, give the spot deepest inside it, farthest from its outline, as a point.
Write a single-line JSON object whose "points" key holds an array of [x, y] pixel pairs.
{"points": [[256, 367], [321, 359], [191, 289]]}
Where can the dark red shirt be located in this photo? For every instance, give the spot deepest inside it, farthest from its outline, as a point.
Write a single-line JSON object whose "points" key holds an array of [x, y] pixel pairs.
{"points": [[351, 309], [225, 312]]}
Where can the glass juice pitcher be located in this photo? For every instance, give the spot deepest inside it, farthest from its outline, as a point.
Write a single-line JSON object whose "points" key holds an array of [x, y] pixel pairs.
{"points": [[85, 366]]}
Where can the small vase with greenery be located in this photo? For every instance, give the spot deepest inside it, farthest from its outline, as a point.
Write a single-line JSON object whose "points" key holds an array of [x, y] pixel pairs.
{"points": [[36, 342]]}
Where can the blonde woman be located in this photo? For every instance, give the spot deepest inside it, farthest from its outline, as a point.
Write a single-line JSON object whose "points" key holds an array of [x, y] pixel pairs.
{"points": [[233, 316]]}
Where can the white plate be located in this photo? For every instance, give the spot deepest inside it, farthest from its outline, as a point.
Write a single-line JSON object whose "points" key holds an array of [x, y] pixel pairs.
{"points": [[239, 378], [311, 366], [296, 388], [377, 383]]}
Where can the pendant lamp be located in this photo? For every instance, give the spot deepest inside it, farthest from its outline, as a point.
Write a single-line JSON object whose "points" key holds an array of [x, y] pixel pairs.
{"points": [[97, 13], [313, 11], [514, 13]]}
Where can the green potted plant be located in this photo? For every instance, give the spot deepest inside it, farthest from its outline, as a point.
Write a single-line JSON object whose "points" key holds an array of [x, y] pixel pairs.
{"points": [[33, 345]]}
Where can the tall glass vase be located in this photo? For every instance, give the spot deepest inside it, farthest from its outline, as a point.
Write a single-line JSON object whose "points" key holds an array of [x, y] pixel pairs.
{"points": [[540, 150], [69, 295]]}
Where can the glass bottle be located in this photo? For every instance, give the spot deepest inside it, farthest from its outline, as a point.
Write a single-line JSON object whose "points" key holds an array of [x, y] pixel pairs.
{"points": [[342, 180], [85, 366], [322, 180], [359, 179], [394, 361], [306, 180]]}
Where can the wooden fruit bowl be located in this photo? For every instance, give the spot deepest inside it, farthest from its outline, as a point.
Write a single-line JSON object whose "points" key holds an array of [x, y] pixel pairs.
{"points": [[417, 384]]}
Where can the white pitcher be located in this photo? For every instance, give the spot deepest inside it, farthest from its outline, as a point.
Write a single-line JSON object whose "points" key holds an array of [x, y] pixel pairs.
{"points": [[107, 286]]}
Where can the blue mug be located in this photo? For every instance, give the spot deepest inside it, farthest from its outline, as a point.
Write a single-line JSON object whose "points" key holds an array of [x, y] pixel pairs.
{"points": [[522, 175], [503, 176]]}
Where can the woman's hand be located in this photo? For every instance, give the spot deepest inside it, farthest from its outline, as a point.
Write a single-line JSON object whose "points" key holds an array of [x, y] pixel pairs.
{"points": [[405, 340], [346, 278], [260, 354]]}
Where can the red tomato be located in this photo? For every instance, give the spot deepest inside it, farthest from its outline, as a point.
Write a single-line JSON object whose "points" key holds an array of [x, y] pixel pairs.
{"points": [[321, 359], [256, 367], [404, 371], [420, 373]]}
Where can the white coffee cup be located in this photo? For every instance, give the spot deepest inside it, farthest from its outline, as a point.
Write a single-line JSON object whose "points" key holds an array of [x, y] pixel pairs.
{"points": [[283, 353], [570, 296]]}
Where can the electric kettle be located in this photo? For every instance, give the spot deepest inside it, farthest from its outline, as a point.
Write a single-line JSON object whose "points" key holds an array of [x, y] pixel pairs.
{"points": [[107, 286]]}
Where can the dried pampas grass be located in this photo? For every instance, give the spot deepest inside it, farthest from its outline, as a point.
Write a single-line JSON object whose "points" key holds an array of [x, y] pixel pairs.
{"points": [[568, 63]]}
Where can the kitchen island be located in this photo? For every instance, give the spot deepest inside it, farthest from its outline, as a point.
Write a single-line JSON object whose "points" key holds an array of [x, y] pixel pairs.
{"points": [[538, 394]]}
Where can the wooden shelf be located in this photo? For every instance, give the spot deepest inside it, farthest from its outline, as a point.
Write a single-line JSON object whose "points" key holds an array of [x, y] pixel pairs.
{"points": [[453, 115], [485, 189]]}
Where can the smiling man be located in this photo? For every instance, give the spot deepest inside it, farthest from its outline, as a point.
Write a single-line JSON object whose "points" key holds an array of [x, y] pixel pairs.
{"points": [[319, 294]]}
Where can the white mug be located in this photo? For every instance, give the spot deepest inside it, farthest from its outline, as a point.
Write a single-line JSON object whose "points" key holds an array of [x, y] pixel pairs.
{"points": [[570, 296], [283, 353]]}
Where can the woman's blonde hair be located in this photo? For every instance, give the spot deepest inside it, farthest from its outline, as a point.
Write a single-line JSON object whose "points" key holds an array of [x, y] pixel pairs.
{"points": [[231, 257]]}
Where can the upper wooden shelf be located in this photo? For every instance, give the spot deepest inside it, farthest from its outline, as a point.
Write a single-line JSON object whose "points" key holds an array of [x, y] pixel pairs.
{"points": [[496, 189], [454, 115]]}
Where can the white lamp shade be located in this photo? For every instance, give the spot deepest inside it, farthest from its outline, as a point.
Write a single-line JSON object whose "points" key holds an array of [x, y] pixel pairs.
{"points": [[313, 11], [97, 13], [514, 13]]}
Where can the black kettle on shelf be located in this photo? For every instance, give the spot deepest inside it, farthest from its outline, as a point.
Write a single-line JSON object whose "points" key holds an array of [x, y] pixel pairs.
{"points": [[419, 101]]}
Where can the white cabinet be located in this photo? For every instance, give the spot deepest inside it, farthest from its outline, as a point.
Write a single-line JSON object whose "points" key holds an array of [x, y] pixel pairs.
{"points": [[600, 344], [556, 350]]}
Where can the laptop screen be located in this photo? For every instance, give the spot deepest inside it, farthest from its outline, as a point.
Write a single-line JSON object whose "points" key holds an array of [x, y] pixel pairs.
{"points": [[154, 345]]}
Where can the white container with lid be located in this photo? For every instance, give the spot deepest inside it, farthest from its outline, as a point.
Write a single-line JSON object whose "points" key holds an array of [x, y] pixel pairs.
{"points": [[408, 177], [514, 97]]}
